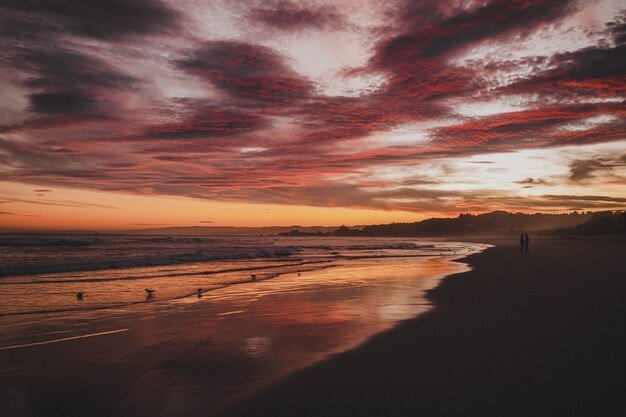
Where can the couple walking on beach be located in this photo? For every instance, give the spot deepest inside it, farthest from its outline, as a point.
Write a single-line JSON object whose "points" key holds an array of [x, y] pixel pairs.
{"points": [[523, 243]]}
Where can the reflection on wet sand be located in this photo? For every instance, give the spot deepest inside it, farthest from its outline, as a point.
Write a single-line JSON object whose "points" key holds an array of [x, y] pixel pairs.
{"points": [[178, 356]]}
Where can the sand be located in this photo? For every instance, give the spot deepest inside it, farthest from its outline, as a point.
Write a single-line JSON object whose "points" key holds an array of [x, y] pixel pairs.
{"points": [[541, 334], [520, 335]]}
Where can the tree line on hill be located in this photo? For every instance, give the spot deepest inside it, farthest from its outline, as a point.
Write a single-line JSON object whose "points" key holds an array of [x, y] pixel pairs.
{"points": [[601, 223], [491, 224]]}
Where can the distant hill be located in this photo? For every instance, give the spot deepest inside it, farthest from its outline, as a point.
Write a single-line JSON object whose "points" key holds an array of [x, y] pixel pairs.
{"points": [[601, 223], [227, 230], [489, 224]]}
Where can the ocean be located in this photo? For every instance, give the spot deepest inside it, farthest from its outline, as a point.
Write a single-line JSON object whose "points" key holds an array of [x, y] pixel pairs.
{"points": [[177, 350], [42, 274]]}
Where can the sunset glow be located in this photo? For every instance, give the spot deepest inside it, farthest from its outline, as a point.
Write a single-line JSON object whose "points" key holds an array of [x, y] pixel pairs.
{"points": [[122, 115]]}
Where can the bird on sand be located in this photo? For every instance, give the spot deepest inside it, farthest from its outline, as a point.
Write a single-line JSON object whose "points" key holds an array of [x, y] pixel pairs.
{"points": [[149, 292], [253, 277], [79, 296]]}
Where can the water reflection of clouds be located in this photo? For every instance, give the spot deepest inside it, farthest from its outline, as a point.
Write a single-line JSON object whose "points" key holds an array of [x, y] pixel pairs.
{"points": [[396, 311], [258, 346]]}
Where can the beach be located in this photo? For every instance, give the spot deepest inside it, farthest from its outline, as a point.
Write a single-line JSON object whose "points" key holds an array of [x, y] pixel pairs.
{"points": [[118, 351], [494, 333], [540, 334]]}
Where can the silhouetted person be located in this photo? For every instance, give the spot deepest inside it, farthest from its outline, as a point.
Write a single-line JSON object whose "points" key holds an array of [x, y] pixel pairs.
{"points": [[521, 244], [526, 243]]}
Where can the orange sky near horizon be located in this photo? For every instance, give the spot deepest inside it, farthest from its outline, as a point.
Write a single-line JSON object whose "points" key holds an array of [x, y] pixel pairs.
{"points": [[67, 208]]}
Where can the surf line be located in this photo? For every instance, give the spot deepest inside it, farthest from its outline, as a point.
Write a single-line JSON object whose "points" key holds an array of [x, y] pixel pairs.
{"points": [[65, 339]]}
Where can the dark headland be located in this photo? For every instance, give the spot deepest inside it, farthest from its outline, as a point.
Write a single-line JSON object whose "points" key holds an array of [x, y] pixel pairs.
{"points": [[539, 334]]}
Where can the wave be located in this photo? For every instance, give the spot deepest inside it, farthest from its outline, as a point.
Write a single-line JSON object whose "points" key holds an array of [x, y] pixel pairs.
{"points": [[173, 275], [174, 239], [38, 241], [143, 261], [207, 290], [37, 255]]}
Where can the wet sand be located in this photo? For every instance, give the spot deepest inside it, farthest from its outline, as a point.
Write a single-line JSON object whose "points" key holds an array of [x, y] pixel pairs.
{"points": [[197, 355], [541, 334]]}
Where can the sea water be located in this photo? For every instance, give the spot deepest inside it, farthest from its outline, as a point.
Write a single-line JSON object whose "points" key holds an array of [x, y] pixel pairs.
{"points": [[178, 350], [41, 274]]}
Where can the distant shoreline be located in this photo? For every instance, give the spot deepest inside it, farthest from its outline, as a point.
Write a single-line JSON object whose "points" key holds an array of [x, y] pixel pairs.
{"points": [[496, 223]]}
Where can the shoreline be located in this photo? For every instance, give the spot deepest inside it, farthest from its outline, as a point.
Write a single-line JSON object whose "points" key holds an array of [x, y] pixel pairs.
{"points": [[212, 350], [536, 334]]}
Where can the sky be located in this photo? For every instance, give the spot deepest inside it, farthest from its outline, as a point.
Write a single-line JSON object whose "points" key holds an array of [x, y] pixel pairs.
{"points": [[118, 115]]}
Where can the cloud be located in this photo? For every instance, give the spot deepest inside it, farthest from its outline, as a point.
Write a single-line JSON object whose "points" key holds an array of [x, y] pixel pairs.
{"points": [[67, 87], [138, 97], [98, 19], [206, 122], [291, 16], [533, 181], [539, 126], [65, 102], [596, 71], [60, 203], [247, 71], [491, 20], [9, 213], [60, 68], [585, 169]]}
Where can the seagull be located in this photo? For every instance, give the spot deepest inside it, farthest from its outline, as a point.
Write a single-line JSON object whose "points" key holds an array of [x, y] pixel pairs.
{"points": [[149, 292], [200, 290], [79, 296], [298, 272], [253, 277]]}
